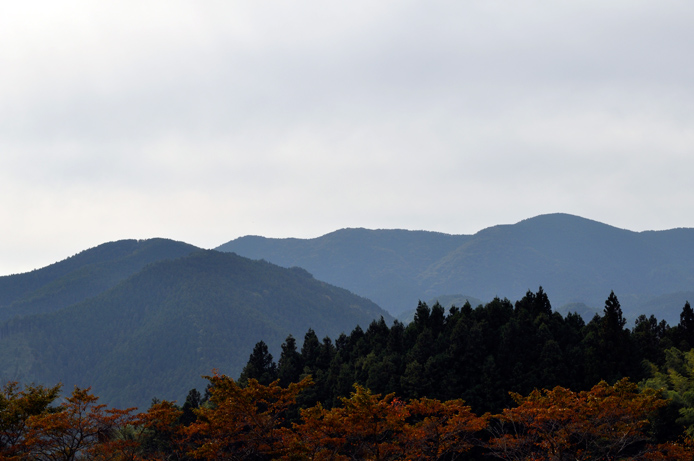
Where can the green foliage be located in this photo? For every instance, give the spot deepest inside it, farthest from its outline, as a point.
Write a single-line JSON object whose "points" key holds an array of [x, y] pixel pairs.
{"points": [[676, 379], [479, 354]]}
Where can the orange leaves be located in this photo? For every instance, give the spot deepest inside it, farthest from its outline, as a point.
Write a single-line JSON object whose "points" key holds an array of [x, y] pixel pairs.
{"points": [[440, 428], [16, 407], [368, 426], [243, 422], [607, 421], [79, 428], [161, 436]]}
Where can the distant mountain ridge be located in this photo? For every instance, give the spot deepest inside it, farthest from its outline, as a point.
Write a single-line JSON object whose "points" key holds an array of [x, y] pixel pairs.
{"points": [[576, 260], [378, 264], [156, 330], [82, 276], [143, 318]]}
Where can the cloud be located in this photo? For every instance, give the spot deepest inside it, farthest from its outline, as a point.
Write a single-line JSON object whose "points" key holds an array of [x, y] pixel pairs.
{"points": [[206, 121]]}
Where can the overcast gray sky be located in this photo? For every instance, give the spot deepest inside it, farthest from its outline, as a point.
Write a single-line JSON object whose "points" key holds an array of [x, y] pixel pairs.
{"points": [[203, 121]]}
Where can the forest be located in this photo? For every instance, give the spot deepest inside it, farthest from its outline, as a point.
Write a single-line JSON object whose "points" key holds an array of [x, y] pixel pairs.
{"points": [[498, 381], [479, 354], [167, 324]]}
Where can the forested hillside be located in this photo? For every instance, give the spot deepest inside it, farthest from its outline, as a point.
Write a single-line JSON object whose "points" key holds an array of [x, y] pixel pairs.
{"points": [[479, 354], [382, 265], [82, 276], [575, 259], [155, 333], [437, 389]]}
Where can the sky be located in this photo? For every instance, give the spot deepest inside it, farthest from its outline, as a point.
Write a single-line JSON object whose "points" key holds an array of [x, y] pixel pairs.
{"points": [[204, 121]]}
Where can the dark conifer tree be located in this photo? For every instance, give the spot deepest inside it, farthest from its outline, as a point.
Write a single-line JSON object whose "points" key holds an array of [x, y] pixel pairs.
{"points": [[260, 366], [358, 344], [535, 303], [290, 365], [613, 320], [570, 337], [686, 327], [326, 353], [609, 352], [437, 318], [542, 304], [310, 351], [395, 339], [377, 335], [648, 335], [193, 401], [421, 316]]}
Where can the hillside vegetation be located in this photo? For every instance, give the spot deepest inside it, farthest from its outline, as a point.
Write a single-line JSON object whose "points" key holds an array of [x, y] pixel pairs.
{"points": [[574, 258], [479, 354], [82, 276], [457, 405], [155, 333]]}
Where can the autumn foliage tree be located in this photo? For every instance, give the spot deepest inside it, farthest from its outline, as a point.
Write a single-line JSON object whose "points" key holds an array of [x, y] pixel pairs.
{"points": [[243, 422], [16, 407], [79, 429], [373, 427], [441, 430], [606, 422], [162, 437], [366, 426]]}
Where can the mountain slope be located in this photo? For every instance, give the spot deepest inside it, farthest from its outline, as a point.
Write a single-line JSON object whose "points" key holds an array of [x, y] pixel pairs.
{"points": [[576, 260], [378, 264], [82, 276], [155, 333]]}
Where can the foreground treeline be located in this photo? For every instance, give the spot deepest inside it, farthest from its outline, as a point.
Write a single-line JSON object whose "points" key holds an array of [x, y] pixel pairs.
{"points": [[479, 354], [505, 381], [263, 422]]}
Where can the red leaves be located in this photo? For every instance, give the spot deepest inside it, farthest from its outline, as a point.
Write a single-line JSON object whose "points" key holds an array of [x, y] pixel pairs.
{"points": [[603, 423], [607, 422], [369, 426], [243, 422], [441, 429], [16, 407], [80, 428], [366, 426]]}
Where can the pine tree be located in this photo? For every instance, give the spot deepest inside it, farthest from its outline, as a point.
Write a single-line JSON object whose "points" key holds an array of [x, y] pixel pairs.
{"points": [[260, 366], [290, 365], [686, 326], [609, 349]]}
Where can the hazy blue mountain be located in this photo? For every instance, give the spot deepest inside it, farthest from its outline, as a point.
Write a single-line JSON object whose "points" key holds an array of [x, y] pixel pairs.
{"points": [[82, 276], [158, 331], [576, 260], [382, 265], [663, 306]]}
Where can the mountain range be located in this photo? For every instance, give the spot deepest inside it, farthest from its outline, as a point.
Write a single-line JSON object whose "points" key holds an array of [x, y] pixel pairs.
{"points": [[137, 319], [576, 260], [143, 319]]}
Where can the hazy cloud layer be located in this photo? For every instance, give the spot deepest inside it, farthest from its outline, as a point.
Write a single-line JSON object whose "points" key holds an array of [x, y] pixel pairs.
{"points": [[205, 121]]}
